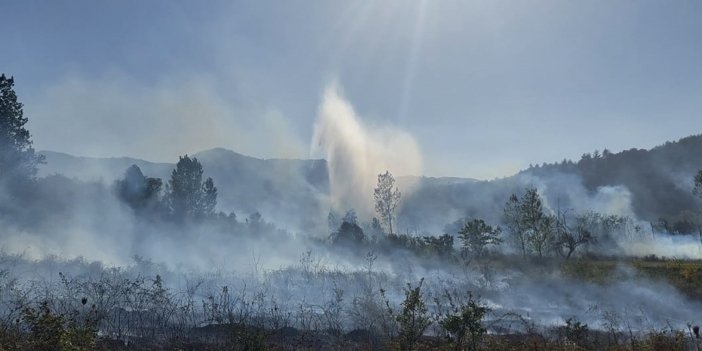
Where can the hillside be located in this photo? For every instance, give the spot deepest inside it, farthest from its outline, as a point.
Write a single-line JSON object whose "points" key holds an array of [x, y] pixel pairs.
{"points": [[659, 181]]}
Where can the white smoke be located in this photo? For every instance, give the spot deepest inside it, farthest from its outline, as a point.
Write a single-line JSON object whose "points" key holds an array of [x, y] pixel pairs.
{"points": [[566, 192], [356, 152]]}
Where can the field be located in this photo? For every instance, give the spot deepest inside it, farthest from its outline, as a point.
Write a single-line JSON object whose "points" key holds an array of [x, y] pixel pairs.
{"points": [[491, 303]]}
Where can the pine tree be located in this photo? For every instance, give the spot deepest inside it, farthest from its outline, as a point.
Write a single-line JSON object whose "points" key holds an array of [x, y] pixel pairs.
{"points": [[18, 162], [187, 195]]}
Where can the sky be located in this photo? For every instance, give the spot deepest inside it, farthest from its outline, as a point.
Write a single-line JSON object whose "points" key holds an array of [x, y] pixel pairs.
{"points": [[485, 88]]}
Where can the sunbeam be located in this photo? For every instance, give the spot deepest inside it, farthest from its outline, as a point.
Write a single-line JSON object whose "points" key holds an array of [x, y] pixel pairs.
{"points": [[412, 60]]}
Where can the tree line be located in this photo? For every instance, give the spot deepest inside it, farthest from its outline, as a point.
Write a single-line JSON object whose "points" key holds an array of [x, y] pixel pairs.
{"points": [[529, 228], [186, 196]]}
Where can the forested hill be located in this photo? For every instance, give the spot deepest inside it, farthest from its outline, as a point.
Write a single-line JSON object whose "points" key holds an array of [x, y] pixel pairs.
{"points": [[659, 179]]}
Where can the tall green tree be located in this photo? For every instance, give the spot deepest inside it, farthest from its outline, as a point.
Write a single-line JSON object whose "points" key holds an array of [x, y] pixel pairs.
{"points": [[18, 162], [413, 317], [188, 196], [387, 198], [538, 224], [462, 320]]}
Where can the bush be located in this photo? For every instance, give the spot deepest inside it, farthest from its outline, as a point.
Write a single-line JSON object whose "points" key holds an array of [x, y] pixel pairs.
{"points": [[413, 318]]}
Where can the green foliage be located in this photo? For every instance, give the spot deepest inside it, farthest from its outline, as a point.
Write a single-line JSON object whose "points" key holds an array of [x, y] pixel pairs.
{"points": [[40, 329], [433, 246], [463, 321], [209, 197], [387, 198], [478, 235], [18, 162], [698, 184], [334, 221], [413, 319], [188, 196], [425, 246], [348, 234], [138, 191], [530, 228], [576, 332]]}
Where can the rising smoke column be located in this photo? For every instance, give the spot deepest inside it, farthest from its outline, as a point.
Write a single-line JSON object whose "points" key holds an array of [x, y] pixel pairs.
{"points": [[356, 153]]}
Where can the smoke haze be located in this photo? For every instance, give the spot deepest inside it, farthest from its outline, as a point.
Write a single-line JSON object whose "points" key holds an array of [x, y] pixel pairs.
{"points": [[356, 152]]}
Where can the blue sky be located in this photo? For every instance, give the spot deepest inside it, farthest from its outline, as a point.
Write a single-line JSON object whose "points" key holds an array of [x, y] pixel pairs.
{"points": [[484, 87]]}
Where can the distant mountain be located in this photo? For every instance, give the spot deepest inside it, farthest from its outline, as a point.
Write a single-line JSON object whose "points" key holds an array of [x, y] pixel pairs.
{"points": [[246, 184], [91, 168], [659, 182]]}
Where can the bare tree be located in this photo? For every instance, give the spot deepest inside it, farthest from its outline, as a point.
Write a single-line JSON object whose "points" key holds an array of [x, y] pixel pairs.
{"points": [[569, 238]]}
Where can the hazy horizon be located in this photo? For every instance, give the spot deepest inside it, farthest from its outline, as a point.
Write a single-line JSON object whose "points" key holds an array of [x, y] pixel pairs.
{"points": [[482, 89]]}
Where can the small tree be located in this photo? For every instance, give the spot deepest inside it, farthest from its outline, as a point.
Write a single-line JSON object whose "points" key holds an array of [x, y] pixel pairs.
{"points": [[348, 234], [698, 184], [441, 246], [530, 227], [477, 235], [413, 318], [18, 162], [376, 228], [539, 225], [462, 320], [387, 198]]}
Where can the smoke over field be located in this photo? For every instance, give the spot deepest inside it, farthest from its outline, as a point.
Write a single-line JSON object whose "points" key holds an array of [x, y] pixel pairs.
{"points": [[246, 253]]}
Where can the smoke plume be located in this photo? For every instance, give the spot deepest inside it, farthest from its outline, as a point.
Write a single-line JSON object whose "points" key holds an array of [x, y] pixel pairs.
{"points": [[357, 152]]}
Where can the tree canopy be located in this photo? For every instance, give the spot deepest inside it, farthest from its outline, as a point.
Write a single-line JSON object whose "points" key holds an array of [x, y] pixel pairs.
{"points": [[188, 197], [18, 161], [138, 191], [698, 184], [530, 228], [477, 235]]}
